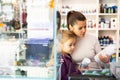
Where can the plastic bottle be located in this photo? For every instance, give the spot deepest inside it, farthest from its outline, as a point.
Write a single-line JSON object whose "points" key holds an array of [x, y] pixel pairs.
{"points": [[104, 39], [85, 62], [107, 41], [101, 8], [105, 8], [109, 50], [99, 38], [102, 42]]}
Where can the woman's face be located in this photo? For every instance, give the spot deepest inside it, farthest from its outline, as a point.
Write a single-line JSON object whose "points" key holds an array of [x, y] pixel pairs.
{"points": [[69, 45], [79, 28]]}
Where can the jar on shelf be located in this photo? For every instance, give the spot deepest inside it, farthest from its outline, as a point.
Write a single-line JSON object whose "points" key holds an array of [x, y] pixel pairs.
{"points": [[105, 8], [101, 8], [107, 24]]}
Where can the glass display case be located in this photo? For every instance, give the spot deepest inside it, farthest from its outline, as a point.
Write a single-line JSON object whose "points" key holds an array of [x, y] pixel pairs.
{"points": [[26, 33]]}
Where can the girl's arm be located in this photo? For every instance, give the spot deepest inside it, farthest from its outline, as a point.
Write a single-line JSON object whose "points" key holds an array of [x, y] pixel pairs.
{"points": [[64, 71]]}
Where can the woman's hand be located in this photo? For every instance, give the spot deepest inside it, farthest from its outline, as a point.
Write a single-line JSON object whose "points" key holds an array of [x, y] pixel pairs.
{"points": [[104, 58], [50, 63]]}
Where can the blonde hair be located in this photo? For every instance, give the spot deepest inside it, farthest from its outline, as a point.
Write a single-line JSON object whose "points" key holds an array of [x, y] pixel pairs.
{"points": [[66, 35]]}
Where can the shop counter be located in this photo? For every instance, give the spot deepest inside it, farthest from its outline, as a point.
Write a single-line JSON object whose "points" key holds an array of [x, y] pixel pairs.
{"points": [[26, 73], [103, 74], [22, 78], [89, 77]]}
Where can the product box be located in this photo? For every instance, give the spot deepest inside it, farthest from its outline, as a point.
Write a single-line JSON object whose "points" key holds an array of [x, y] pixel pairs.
{"points": [[113, 22]]}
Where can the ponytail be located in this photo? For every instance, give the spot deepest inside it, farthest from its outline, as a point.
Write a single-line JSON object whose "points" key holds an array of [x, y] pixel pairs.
{"points": [[68, 16], [73, 16]]}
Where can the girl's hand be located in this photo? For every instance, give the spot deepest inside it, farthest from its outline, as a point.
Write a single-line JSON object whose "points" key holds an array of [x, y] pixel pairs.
{"points": [[103, 58], [83, 68], [61, 60]]}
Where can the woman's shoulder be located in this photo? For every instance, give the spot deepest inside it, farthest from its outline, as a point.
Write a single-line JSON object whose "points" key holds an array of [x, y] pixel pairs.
{"points": [[90, 36]]}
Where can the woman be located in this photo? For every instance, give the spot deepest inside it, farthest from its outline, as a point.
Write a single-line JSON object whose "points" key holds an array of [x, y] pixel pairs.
{"points": [[87, 45]]}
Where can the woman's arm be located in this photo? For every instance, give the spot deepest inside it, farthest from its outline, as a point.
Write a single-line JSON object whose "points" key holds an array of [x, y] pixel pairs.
{"points": [[104, 59]]}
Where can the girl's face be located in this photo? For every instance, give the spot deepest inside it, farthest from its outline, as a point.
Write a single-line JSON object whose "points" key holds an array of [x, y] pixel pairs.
{"points": [[69, 45], [79, 28]]}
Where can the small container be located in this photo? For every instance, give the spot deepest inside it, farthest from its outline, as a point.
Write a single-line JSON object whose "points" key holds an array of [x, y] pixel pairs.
{"points": [[109, 50], [105, 8], [109, 10], [85, 62], [107, 24]]}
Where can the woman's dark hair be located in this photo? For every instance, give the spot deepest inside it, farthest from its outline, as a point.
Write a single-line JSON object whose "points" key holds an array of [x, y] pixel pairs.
{"points": [[58, 20], [73, 16]]}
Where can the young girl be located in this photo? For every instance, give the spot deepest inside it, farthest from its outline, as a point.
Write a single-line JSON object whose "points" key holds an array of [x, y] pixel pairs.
{"points": [[67, 45]]}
